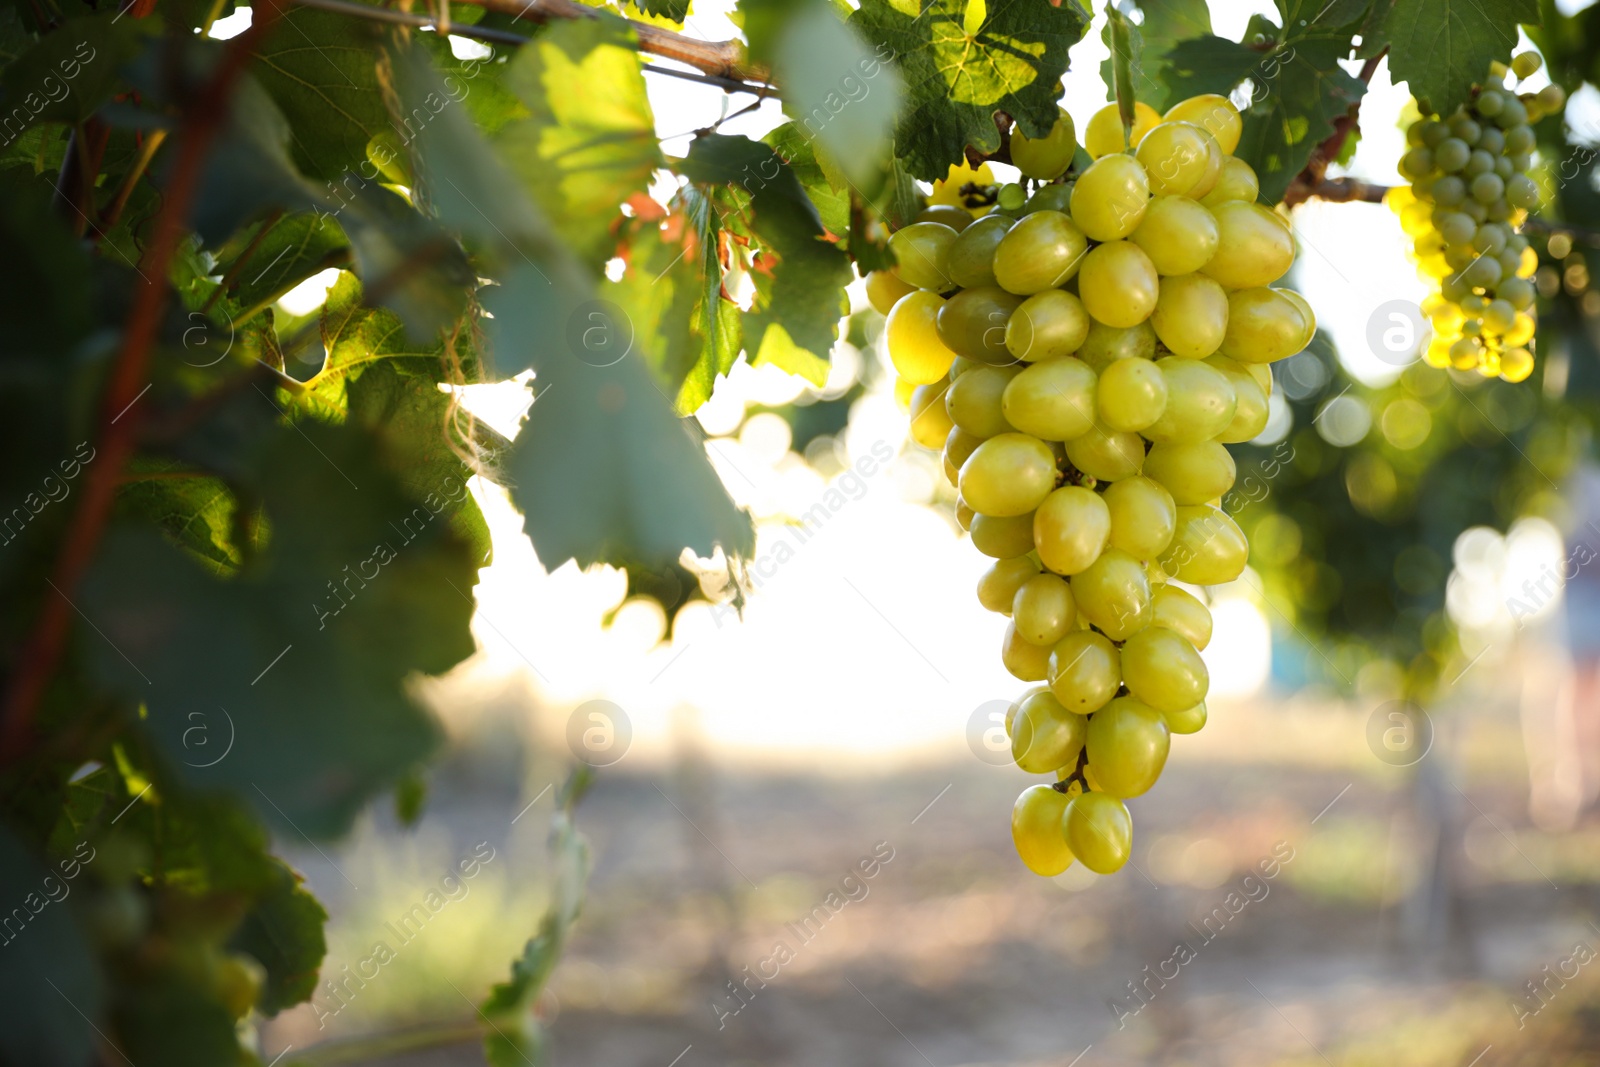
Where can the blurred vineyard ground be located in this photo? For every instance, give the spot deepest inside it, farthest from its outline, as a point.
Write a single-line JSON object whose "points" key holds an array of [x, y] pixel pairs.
{"points": [[1353, 954]]}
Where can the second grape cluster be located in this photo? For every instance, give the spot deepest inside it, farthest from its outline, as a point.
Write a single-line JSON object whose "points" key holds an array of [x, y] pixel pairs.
{"points": [[1082, 357]]}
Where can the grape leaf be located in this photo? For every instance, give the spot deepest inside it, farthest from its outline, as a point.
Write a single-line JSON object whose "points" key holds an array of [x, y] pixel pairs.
{"points": [[1441, 48], [302, 658], [1299, 87], [1166, 22], [291, 250], [283, 931], [192, 508], [321, 69], [68, 73], [589, 142], [799, 275], [676, 10], [837, 90], [954, 82], [406, 261], [540, 281]]}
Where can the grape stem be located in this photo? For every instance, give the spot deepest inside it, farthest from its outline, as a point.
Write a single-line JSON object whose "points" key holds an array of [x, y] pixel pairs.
{"points": [[1076, 775], [1326, 152]]}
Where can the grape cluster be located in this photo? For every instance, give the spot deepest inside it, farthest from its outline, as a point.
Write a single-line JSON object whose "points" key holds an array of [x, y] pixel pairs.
{"points": [[1469, 193], [1082, 356]]}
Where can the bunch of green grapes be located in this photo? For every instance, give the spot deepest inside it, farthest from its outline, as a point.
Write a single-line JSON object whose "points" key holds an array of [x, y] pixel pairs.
{"points": [[1082, 358], [1469, 193]]}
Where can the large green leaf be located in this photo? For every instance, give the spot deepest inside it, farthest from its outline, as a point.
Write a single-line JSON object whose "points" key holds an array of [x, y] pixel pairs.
{"points": [[1299, 89], [292, 249], [589, 142], [1166, 22], [302, 658], [321, 69], [838, 92], [799, 274], [69, 73], [1442, 48], [955, 80]]}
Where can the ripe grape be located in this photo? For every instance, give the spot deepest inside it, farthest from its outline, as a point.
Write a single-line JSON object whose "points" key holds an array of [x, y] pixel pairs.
{"points": [[1106, 454], [1191, 315], [972, 323], [1131, 394], [971, 260], [1181, 159], [1009, 474], [1045, 735], [1047, 325], [1119, 285], [922, 251], [1254, 246], [1143, 517], [1113, 593], [1178, 234], [1026, 661], [1099, 831], [1071, 528], [916, 349], [1041, 252], [1179, 611], [1038, 830], [1048, 157], [974, 401], [1109, 199], [1163, 669], [999, 585], [1085, 670], [1043, 608], [1128, 742], [885, 288], [1192, 471], [1215, 114], [1002, 537], [930, 421], [1105, 135], [1053, 400]]}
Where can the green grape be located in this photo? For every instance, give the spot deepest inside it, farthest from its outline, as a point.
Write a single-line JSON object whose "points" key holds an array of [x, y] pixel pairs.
{"points": [[1038, 830], [1045, 735], [1487, 188], [1099, 832], [1118, 285], [1105, 345], [971, 261], [1041, 252], [1109, 199], [1213, 113], [1113, 593], [930, 421], [1180, 159], [972, 323], [1451, 155], [1070, 529], [1106, 454], [237, 980], [1265, 325], [1526, 64], [1237, 182], [1179, 611], [884, 289], [964, 514], [1047, 325], [1254, 246], [1192, 471], [1518, 292], [912, 338], [954, 217], [1085, 671], [974, 400], [998, 587], [1178, 234], [1052, 400], [1187, 721], [1105, 133], [1055, 197], [1522, 192], [1191, 315], [1251, 412], [1164, 670], [1207, 548], [921, 251], [1128, 743], [1009, 474], [1043, 608], [1131, 395], [1026, 662], [1002, 537], [1048, 157], [1143, 516], [1200, 402]]}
